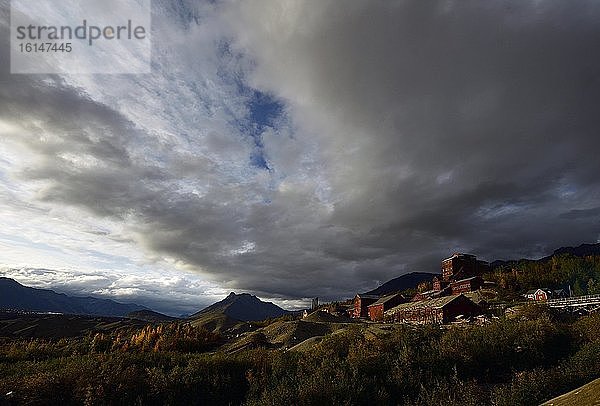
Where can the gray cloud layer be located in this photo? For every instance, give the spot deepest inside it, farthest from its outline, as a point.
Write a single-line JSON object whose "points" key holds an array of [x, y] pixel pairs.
{"points": [[410, 130]]}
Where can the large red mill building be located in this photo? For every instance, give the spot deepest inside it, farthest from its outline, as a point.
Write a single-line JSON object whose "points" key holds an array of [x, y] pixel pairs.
{"points": [[462, 266], [460, 273]]}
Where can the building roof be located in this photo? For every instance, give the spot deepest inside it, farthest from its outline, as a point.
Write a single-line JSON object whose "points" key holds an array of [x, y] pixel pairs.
{"points": [[467, 279], [365, 296], [459, 254], [386, 298], [476, 297], [532, 291], [437, 303], [432, 293]]}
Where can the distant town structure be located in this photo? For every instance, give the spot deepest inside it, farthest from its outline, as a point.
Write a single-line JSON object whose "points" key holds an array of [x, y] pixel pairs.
{"points": [[314, 304]]}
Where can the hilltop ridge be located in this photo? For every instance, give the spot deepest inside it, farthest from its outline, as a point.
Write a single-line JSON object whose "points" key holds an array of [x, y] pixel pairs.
{"points": [[403, 282]]}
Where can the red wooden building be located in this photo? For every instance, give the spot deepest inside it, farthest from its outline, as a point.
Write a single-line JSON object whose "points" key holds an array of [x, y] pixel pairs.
{"points": [[377, 309], [466, 285], [539, 294], [361, 303], [462, 266], [439, 283], [441, 310]]}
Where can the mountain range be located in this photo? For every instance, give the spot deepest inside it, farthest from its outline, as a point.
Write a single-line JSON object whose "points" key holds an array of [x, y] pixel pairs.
{"points": [[15, 296], [235, 308]]}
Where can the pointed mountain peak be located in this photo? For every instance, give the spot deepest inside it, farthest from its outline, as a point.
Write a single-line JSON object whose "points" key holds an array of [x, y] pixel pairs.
{"points": [[245, 307]]}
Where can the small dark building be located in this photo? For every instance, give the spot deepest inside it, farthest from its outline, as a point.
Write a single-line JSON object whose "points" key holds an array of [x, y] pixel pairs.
{"points": [[361, 303], [377, 309], [441, 310], [559, 294], [345, 309]]}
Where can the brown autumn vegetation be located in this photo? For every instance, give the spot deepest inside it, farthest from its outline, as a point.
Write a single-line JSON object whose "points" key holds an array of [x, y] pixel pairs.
{"points": [[507, 362]]}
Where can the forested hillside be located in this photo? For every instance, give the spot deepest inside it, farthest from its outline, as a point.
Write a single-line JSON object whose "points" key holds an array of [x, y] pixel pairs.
{"points": [[582, 274]]}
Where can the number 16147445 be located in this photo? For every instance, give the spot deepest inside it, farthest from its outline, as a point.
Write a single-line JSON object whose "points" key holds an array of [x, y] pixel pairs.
{"points": [[28, 47]]}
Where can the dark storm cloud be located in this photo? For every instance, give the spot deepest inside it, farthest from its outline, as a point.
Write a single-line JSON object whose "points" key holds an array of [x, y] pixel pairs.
{"points": [[448, 125], [584, 214], [409, 130]]}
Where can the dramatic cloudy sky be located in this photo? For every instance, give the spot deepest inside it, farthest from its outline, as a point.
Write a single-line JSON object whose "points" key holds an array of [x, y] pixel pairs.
{"points": [[304, 148]]}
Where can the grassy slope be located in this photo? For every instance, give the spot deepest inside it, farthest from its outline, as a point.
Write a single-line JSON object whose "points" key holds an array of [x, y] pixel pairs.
{"points": [[586, 395], [214, 321]]}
